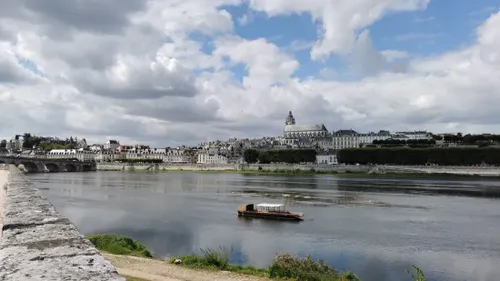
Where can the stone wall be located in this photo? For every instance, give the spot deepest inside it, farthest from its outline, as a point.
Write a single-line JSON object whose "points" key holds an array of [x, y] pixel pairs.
{"points": [[39, 244], [162, 167], [225, 167], [456, 170], [307, 167]]}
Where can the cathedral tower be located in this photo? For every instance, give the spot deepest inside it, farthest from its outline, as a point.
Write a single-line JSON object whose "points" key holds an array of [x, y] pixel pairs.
{"points": [[289, 119]]}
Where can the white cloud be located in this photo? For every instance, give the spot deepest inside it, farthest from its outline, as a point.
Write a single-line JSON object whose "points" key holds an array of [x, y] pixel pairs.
{"points": [[144, 74], [393, 55], [340, 20]]}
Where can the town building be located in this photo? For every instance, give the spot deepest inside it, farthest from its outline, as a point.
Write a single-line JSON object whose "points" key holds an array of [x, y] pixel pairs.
{"points": [[345, 139], [329, 158], [303, 135], [204, 157], [415, 135], [78, 154], [177, 156], [108, 156], [111, 145]]}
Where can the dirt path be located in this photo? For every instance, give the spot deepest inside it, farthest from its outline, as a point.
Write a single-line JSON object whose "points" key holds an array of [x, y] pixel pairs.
{"points": [[156, 270], [4, 176]]}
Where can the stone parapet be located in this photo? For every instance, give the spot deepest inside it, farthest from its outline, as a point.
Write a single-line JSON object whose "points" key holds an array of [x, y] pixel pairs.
{"points": [[39, 244]]}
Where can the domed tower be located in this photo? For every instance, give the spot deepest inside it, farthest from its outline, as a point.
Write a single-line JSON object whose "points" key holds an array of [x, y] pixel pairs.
{"points": [[289, 119]]}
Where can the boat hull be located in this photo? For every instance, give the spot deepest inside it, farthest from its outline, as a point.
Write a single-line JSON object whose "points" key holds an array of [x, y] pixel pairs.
{"points": [[270, 216]]}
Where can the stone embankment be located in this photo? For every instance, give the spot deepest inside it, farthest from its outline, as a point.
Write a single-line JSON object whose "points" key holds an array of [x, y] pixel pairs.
{"points": [[37, 243], [230, 167], [377, 169], [486, 171]]}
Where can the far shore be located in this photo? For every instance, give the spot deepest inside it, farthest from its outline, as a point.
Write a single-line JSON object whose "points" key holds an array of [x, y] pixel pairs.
{"points": [[347, 174]]}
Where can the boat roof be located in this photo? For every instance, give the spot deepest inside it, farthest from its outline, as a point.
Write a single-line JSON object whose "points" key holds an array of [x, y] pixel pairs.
{"points": [[266, 205]]}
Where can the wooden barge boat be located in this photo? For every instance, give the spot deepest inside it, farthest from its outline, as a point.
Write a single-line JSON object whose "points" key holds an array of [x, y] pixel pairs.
{"points": [[268, 211]]}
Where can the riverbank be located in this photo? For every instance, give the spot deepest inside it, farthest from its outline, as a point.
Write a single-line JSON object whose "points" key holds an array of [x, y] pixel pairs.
{"points": [[211, 264], [159, 270], [438, 174], [313, 169], [4, 177]]}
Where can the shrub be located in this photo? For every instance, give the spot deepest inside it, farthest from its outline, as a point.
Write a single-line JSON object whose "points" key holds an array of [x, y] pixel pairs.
{"points": [[216, 257], [286, 266], [119, 245]]}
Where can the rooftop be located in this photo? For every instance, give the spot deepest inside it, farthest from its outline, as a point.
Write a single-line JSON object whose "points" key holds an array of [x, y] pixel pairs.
{"points": [[304, 128], [266, 205]]}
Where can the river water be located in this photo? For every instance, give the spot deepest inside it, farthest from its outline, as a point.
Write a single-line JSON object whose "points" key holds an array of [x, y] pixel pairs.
{"points": [[375, 227]]}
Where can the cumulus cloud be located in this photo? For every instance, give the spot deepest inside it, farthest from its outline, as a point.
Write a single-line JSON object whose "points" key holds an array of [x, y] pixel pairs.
{"points": [[172, 72], [340, 20]]}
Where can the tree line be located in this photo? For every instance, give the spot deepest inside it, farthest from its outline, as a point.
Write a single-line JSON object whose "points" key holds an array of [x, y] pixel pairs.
{"points": [[420, 156], [469, 138], [136, 160], [279, 156], [410, 143], [44, 143]]}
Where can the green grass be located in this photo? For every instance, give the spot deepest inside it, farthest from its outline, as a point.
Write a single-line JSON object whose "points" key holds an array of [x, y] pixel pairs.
{"points": [[283, 266], [119, 245]]}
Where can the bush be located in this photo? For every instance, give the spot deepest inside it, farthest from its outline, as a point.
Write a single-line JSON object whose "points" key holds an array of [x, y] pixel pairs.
{"points": [[218, 258], [212, 258], [286, 266], [119, 245]]}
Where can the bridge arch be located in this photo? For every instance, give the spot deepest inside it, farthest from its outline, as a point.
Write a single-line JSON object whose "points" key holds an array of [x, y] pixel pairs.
{"points": [[52, 167], [29, 166], [86, 168], [70, 167]]}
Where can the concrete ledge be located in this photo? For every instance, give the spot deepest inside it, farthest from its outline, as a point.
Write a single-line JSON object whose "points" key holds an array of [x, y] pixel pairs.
{"points": [[39, 244]]}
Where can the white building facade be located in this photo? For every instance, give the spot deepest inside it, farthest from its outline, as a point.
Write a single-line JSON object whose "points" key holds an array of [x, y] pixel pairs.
{"points": [[79, 154], [111, 145], [329, 158], [208, 158]]}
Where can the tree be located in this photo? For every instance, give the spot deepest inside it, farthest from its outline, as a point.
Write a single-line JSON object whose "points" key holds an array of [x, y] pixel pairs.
{"points": [[421, 156], [251, 155], [3, 144], [437, 137]]}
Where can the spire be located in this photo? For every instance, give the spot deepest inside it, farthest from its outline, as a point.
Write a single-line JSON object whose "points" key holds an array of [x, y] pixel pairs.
{"points": [[289, 119]]}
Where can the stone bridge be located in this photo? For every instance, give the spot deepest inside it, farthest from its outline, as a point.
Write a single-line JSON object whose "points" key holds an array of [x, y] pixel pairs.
{"points": [[34, 165]]}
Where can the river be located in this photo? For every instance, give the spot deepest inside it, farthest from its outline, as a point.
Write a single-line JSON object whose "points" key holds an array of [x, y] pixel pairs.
{"points": [[375, 227]]}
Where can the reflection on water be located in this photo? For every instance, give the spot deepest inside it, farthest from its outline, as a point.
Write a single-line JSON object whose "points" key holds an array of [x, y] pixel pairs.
{"points": [[376, 227]]}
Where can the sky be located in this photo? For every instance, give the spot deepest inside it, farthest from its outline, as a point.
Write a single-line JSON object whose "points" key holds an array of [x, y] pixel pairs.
{"points": [[171, 72]]}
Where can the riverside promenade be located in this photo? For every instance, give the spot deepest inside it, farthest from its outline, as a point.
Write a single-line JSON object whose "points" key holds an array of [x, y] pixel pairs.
{"points": [[489, 171], [37, 243]]}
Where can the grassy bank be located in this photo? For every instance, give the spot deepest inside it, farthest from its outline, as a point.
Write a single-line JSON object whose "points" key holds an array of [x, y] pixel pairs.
{"points": [[119, 245], [283, 266], [417, 176], [311, 172]]}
